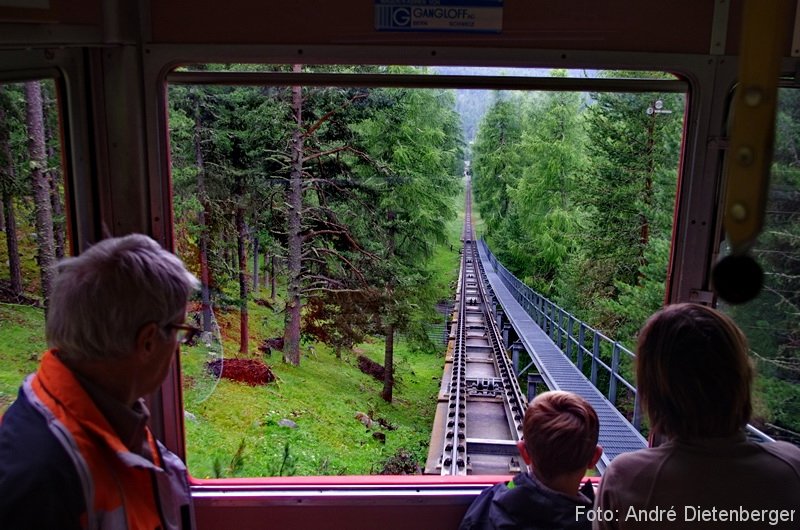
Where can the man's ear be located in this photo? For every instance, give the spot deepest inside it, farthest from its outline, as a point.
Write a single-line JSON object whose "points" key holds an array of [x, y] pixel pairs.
{"points": [[145, 337], [523, 452], [598, 451]]}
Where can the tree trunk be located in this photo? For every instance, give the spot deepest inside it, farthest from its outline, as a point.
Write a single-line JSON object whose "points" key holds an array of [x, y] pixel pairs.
{"points": [[53, 177], [388, 354], [388, 365], [265, 271], [2, 217], [14, 267], [9, 217], [647, 195], [241, 237], [272, 277], [291, 337], [256, 255], [202, 221], [41, 187], [58, 215]]}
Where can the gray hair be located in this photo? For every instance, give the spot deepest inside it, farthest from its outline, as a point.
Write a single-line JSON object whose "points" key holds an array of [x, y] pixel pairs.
{"points": [[102, 298]]}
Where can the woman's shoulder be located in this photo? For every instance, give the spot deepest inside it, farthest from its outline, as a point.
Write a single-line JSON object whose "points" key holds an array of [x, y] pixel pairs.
{"points": [[640, 459], [785, 452]]}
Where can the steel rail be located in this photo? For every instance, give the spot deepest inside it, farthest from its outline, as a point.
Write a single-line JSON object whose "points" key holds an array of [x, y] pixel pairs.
{"points": [[454, 457], [474, 321], [514, 400]]}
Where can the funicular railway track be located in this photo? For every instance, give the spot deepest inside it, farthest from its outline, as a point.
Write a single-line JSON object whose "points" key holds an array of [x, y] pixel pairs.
{"points": [[480, 407]]}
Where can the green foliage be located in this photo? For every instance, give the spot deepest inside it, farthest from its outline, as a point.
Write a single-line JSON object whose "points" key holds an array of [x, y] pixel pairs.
{"points": [[496, 162], [235, 465], [783, 402], [380, 169], [286, 466], [635, 303], [412, 139], [770, 321], [577, 194], [629, 194], [13, 172], [545, 215]]}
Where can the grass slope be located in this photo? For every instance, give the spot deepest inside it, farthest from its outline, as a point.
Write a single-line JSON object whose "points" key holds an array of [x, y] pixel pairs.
{"points": [[322, 397]]}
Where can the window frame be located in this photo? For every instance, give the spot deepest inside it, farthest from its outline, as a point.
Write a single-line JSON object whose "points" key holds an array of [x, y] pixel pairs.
{"points": [[96, 193], [165, 60]]}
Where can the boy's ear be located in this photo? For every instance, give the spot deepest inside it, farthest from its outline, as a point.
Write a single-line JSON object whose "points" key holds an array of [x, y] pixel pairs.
{"points": [[598, 451], [523, 452]]}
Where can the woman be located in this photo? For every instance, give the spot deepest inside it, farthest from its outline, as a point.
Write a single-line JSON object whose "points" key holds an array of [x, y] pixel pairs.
{"points": [[694, 379]]}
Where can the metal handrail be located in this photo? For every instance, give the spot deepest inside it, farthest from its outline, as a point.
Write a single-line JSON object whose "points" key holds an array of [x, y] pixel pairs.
{"points": [[571, 336], [551, 318]]}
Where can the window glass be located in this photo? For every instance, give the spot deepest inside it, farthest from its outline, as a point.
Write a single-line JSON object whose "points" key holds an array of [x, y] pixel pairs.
{"points": [[574, 192], [771, 321], [32, 224]]}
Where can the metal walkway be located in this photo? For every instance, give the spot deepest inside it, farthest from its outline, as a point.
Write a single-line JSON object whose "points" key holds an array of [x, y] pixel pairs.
{"points": [[617, 435]]}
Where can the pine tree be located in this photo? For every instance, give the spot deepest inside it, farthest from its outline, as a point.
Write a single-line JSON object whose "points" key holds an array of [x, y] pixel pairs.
{"points": [[40, 185]]}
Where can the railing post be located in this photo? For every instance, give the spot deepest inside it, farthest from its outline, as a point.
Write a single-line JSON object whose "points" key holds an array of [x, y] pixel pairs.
{"points": [[515, 349], [533, 380], [542, 315], [612, 383], [570, 322], [546, 317], [560, 329], [637, 412], [595, 355], [581, 337]]}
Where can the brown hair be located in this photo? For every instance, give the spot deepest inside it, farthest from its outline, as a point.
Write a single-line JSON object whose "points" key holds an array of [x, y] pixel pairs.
{"points": [[560, 431], [693, 372]]}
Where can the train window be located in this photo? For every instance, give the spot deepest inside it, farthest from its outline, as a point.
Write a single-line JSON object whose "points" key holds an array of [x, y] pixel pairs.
{"points": [[320, 208], [32, 223], [771, 320]]}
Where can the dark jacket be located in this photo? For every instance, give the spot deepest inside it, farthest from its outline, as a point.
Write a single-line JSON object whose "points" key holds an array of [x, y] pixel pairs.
{"points": [[526, 503], [39, 486], [63, 466]]}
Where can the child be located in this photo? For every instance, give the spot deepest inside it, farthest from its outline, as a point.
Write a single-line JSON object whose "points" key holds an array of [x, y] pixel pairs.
{"points": [[559, 444]]}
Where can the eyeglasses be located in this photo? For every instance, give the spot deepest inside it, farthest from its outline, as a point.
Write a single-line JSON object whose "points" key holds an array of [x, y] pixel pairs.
{"points": [[185, 333]]}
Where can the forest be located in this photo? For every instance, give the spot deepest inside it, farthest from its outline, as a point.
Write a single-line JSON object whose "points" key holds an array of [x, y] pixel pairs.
{"points": [[318, 219], [346, 190], [578, 192]]}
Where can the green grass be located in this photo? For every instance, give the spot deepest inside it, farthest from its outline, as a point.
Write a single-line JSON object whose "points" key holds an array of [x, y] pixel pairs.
{"points": [[21, 345], [322, 396]]}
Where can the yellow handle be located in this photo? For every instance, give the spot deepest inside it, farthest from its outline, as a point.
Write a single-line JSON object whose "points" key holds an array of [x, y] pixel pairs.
{"points": [[764, 33]]}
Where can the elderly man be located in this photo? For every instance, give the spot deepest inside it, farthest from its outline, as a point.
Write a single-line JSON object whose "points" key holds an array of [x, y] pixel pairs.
{"points": [[75, 450]]}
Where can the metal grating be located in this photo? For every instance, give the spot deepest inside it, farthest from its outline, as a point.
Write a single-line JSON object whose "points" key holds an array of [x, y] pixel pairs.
{"points": [[617, 435]]}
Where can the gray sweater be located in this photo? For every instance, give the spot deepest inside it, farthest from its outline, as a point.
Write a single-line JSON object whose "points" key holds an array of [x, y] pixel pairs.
{"points": [[708, 483]]}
